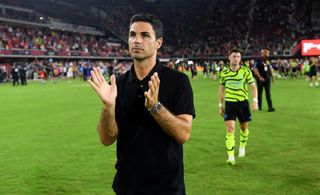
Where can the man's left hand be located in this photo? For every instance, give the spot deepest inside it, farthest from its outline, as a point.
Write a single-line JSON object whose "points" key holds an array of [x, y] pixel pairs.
{"points": [[152, 94], [254, 106]]}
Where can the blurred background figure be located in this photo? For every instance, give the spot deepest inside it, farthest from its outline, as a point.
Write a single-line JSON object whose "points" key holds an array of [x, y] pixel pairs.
{"points": [[15, 75], [264, 76]]}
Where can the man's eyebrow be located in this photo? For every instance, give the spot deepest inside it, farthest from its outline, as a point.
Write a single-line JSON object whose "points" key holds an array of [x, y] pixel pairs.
{"points": [[145, 32]]}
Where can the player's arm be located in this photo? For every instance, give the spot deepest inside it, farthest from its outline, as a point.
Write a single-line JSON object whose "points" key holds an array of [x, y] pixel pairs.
{"points": [[107, 126], [221, 98], [254, 95]]}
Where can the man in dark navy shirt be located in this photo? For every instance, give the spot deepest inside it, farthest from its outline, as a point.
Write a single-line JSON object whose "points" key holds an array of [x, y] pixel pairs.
{"points": [[149, 120], [263, 74]]}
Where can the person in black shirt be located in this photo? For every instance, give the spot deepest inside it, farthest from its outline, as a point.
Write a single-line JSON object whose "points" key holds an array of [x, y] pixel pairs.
{"points": [[23, 75], [15, 75], [149, 111], [313, 72], [263, 74]]}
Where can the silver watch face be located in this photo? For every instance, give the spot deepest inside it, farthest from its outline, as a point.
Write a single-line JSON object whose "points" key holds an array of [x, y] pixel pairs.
{"points": [[156, 108]]}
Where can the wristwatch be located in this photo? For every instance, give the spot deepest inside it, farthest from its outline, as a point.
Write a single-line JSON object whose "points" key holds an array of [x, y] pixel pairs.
{"points": [[156, 108]]}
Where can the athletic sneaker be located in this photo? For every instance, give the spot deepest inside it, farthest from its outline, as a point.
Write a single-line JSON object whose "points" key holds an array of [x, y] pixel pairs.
{"points": [[242, 152], [231, 160]]}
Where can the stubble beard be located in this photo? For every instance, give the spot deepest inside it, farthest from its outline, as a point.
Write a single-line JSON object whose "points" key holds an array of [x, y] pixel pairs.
{"points": [[140, 58]]}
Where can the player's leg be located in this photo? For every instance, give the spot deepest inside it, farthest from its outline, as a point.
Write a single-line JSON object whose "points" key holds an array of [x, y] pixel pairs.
{"points": [[230, 141], [230, 115], [244, 116], [244, 135], [313, 75], [311, 81]]}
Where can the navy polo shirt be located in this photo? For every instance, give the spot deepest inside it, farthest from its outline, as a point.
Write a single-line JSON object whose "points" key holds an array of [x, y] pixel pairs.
{"points": [[264, 70], [149, 160]]}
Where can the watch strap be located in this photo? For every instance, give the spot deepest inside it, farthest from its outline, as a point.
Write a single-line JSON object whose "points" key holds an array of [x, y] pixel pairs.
{"points": [[155, 109]]}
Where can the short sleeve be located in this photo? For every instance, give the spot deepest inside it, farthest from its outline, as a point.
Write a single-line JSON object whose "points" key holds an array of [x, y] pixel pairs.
{"points": [[183, 97]]}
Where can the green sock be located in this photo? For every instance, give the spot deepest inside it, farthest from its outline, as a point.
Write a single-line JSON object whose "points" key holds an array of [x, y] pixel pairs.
{"points": [[244, 138], [230, 143]]}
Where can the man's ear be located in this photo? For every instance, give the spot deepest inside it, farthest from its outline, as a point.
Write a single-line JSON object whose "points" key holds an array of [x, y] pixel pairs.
{"points": [[159, 42]]}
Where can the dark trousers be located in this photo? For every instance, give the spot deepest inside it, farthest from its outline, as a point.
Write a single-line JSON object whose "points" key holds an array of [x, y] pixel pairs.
{"points": [[15, 81], [266, 85], [23, 81], [173, 193]]}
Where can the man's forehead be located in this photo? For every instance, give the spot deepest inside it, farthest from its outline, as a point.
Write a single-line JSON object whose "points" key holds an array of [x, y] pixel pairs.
{"points": [[139, 27], [236, 53]]}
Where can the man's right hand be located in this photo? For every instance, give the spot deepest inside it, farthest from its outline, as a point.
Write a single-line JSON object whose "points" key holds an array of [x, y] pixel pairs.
{"points": [[221, 111], [106, 92], [261, 79]]}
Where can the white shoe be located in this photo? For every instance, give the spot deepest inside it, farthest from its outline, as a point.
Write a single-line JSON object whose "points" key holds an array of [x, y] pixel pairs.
{"points": [[231, 160], [242, 152]]}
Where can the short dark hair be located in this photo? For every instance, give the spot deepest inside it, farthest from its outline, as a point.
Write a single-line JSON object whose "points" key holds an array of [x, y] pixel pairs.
{"points": [[151, 19], [235, 50]]}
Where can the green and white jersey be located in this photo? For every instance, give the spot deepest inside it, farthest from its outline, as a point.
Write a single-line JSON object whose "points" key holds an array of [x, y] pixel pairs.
{"points": [[235, 83]]}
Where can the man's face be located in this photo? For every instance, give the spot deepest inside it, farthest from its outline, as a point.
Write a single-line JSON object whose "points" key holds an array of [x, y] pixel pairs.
{"points": [[265, 53], [235, 58], [142, 41]]}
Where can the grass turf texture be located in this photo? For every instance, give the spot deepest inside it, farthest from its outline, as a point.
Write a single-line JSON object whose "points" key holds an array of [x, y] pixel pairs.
{"points": [[49, 143]]}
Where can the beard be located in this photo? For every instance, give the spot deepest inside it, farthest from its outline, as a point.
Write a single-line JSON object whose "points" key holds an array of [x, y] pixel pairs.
{"points": [[140, 57]]}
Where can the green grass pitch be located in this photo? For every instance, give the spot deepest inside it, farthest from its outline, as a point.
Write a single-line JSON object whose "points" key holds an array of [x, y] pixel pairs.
{"points": [[49, 143]]}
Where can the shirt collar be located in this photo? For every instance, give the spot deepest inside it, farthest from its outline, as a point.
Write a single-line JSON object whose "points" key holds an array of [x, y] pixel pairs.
{"points": [[234, 70], [133, 76]]}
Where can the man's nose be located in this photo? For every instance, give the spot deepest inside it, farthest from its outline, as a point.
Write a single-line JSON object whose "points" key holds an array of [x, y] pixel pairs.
{"points": [[137, 39]]}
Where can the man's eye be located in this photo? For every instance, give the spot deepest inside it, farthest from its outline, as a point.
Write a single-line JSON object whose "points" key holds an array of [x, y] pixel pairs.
{"points": [[132, 34]]}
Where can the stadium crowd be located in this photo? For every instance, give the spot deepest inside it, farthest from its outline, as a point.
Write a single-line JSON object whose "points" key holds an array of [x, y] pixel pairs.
{"points": [[211, 28], [206, 29], [203, 32], [53, 70], [19, 37]]}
